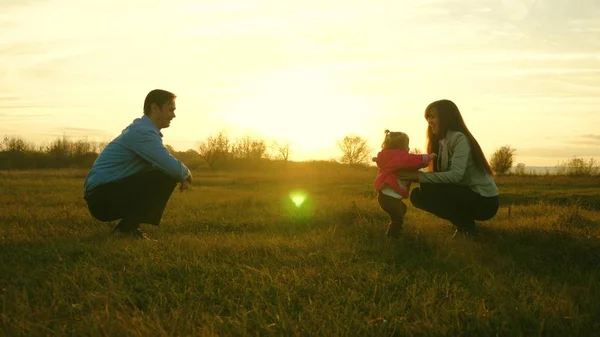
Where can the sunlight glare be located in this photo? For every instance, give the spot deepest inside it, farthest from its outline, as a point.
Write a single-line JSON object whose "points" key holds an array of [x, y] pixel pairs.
{"points": [[297, 198], [309, 107]]}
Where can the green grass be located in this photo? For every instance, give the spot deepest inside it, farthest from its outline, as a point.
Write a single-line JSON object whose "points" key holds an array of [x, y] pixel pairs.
{"points": [[235, 256]]}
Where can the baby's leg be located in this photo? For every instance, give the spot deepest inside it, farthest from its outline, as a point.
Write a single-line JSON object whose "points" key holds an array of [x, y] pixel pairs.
{"points": [[396, 209]]}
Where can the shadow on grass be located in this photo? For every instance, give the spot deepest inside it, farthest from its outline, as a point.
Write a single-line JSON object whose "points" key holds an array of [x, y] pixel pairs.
{"points": [[554, 254], [586, 201], [331, 271]]}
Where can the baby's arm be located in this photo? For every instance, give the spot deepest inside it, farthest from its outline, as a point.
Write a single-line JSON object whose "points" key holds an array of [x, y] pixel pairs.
{"points": [[413, 162]]}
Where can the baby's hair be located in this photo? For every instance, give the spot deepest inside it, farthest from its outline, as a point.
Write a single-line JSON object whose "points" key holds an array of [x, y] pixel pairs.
{"points": [[395, 140]]}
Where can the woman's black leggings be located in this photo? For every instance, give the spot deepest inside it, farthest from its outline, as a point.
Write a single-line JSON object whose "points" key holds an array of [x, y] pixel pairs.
{"points": [[458, 204]]}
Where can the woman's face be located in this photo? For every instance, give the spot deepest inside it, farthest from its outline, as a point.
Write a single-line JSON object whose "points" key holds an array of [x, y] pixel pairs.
{"points": [[433, 121]]}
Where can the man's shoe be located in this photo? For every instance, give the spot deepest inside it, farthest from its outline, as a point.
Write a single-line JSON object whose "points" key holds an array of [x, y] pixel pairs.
{"points": [[135, 234], [467, 230], [125, 227], [138, 234], [118, 229]]}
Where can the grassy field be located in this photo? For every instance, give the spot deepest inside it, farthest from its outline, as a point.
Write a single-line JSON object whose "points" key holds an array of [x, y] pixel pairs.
{"points": [[236, 256]]}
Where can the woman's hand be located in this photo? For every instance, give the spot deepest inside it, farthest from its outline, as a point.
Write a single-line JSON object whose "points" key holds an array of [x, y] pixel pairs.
{"points": [[410, 176]]}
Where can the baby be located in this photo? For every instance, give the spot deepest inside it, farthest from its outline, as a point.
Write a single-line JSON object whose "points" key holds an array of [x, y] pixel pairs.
{"points": [[393, 157]]}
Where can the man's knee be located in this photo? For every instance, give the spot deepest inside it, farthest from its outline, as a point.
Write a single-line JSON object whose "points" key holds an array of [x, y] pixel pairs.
{"points": [[102, 213], [156, 180], [160, 176]]}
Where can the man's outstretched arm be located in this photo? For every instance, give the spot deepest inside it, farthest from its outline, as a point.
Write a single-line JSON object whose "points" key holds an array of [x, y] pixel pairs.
{"points": [[150, 147]]}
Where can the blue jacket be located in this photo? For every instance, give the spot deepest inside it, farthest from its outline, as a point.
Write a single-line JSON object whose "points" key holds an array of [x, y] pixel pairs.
{"points": [[139, 148]]}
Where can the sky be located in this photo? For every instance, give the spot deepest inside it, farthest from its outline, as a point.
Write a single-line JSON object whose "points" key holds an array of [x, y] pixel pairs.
{"points": [[524, 73]]}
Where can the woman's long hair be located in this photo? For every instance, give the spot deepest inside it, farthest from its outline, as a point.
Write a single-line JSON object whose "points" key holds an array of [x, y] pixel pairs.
{"points": [[449, 118]]}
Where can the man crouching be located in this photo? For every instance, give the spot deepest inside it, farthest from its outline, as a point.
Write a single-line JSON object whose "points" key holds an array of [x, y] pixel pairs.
{"points": [[134, 176]]}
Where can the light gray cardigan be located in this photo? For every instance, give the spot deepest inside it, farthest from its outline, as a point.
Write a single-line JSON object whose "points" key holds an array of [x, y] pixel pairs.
{"points": [[458, 167]]}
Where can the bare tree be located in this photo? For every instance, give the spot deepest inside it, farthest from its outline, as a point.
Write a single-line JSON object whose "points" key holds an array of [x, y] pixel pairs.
{"points": [[578, 167], [82, 147], [170, 148], [415, 150], [16, 144], [60, 149], [520, 169], [249, 148], [100, 146], [215, 148], [282, 150], [354, 150], [502, 160]]}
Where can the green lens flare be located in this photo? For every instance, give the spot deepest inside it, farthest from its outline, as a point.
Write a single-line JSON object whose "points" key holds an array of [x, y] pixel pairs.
{"points": [[298, 198]]}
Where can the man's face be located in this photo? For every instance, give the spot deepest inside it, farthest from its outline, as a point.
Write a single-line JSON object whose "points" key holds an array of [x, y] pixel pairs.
{"points": [[164, 114]]}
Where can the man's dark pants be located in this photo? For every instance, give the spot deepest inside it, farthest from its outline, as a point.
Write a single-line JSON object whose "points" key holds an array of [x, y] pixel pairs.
{"points": [[140, 198]]}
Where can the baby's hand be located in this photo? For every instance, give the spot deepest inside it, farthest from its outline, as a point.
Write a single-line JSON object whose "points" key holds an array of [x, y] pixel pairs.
{"points": [[432, 156], [374, 159]]}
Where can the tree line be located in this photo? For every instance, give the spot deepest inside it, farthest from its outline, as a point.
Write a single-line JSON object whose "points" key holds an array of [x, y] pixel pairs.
{"points": [[217, 151], [17, 153], [502, 161], [63, 152], [220, 151]]}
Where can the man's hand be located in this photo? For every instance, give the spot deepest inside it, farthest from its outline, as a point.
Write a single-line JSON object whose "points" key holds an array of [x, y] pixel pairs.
{"points": [[184, 185]]}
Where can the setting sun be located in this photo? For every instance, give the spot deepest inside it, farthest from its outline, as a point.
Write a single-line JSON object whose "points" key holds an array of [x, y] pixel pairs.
{"points": [[308, 107]]}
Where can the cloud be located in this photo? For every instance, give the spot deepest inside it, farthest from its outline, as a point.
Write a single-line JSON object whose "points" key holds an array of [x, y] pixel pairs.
{"points": [[5, 24], [15, 107], [586, 140], [561, 151], [517, 24], [73, 133], [80, 132], [6, 5], [8, 98], [19, 48], [8, 118], [591, 136], [35, 60]]}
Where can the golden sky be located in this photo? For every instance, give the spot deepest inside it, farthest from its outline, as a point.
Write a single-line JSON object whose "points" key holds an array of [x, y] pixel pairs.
{"points": [[524, 73]]}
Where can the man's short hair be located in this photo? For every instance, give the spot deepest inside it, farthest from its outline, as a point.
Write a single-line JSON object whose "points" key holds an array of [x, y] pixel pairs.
{"points": [[159, 97]]}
